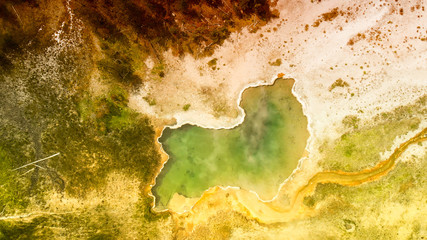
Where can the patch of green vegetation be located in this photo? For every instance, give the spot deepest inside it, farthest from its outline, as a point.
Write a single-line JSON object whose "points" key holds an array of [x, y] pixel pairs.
{"points": [[94, 135], [8, 44], [366, 206], [186, 107], [150, 100], [361, 148], [12, 186], [219, 35], [121, 60], [351, 121], [309, 201], [219, 109], [98, 222], [159, 70], [221, 226], [276, 63], [338, 83], [102, 236], [419, 107], [145, 211], [212, 63], [119, 68], [25, 230], [327, 16], [115, 137], [111, 105], [126, 118], [86, 109]]}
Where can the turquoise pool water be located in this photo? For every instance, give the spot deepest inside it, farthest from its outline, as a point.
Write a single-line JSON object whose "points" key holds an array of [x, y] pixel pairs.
{"points": [[257, 155]]}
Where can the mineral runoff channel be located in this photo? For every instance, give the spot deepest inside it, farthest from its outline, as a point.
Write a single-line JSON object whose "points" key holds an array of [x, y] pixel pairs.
{"points": [[257, 155]]}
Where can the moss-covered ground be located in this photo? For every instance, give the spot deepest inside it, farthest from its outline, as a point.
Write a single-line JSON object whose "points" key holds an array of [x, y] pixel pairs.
{"points": [[47, 107], [360, 147]]}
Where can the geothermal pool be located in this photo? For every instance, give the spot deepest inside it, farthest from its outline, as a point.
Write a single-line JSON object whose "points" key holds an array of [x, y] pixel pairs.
{"points": [[257, 155]]}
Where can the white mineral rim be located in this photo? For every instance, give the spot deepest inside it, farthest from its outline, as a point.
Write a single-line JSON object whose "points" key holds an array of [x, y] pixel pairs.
{"points": [[240, 121]]}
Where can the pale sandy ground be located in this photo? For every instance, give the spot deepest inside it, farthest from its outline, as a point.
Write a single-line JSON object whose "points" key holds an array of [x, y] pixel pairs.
{"points": [[386, 69]]}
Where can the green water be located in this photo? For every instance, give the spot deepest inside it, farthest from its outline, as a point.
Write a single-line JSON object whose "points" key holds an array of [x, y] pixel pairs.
{"points": [[257, 155]]}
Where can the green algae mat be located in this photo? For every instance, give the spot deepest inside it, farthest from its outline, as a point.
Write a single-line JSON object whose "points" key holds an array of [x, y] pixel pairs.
{"points": [[257, 155]]}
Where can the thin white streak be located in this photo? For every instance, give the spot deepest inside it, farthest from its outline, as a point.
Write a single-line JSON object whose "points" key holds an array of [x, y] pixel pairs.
{"points": [[33, 163]]}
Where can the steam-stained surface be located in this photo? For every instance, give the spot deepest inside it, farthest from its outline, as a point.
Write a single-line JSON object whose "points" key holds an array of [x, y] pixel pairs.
{"points": [[257, 155]]}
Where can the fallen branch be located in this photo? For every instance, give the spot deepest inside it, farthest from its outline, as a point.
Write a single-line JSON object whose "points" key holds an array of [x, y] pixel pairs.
{"points": [[33, 163], [19, 18], [40, 167], [25, 173]]}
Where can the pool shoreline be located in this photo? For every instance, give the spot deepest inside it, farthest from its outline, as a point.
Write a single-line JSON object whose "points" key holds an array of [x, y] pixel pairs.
{"points": [[240, 119]]}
